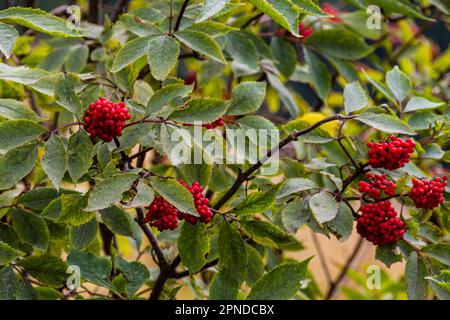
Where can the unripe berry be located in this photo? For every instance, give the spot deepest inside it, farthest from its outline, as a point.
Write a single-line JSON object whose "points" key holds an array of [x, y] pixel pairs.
{"points": [[391, 154], [428, 194], [375, 185], [379, 224], [106, 119], [200, 202]]}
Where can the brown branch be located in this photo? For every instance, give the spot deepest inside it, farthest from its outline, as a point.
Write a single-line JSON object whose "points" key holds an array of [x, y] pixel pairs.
{"points": [[322, 259], [243, 176], [121, 6], [180, 15], [343, 273], [249, 22], [162, 262]]}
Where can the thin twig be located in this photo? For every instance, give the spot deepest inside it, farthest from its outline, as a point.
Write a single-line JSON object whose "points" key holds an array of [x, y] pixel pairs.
{"points": [[322, 259], [180, 15], [343, 273]]}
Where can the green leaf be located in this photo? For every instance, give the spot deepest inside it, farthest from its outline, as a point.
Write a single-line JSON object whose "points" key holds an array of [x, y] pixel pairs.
{"points": [[247, 97], [441, 284], [14, 133], [268, 234], [72, 206], [16, 164], [355, 97], [93, 268], [342, 224], [381, 88], [284, 94], [244, 54], [280, 283], [224, 286], [39, 198], [135, 272], [340, 43], [9, 283], [319, 76], [31, 228], [143, 197], [193, 245], [294, 215], [65, 94], [130, 52], [77, 59], [8, 253], [210, 8], [165, 96], [387, 255], [400, 7], [399, 83], [49, 270], [82, 236], [232, 252], [440, 252], [79, 152], [175, 194], [323, 206], [9, 236], [258, 202], [205, 110], [310, 6], [385, 123], [285, 56], [117, 220], [415, 272], [54, 161], [109, 191], [21, 74], [295, 185], [139, 26], [283, 12], [8, 39], [202, 43], [13, 109], [255, 265], [162, 56], [212, 28], [39, 20], [419, 103]]}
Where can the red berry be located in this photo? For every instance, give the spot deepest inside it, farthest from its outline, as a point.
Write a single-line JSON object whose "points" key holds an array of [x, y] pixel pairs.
{"points": [[201, 204], [428, 194], [379, 224], [376, 185], [305, 32], [218, 123], [106, 119], [161, 214], [332, 11], [391, 154]]}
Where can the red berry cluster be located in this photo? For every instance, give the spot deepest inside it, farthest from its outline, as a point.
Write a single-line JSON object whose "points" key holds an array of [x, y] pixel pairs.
{"points": [[379, 224], [305, 32], [428, 193], [161, 214], [391, 154], [106, 119], [201, 204], [218, 123], [377, 183]]}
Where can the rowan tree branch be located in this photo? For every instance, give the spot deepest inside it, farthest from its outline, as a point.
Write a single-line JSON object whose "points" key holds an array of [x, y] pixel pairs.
{"points": [[180, 15]]}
